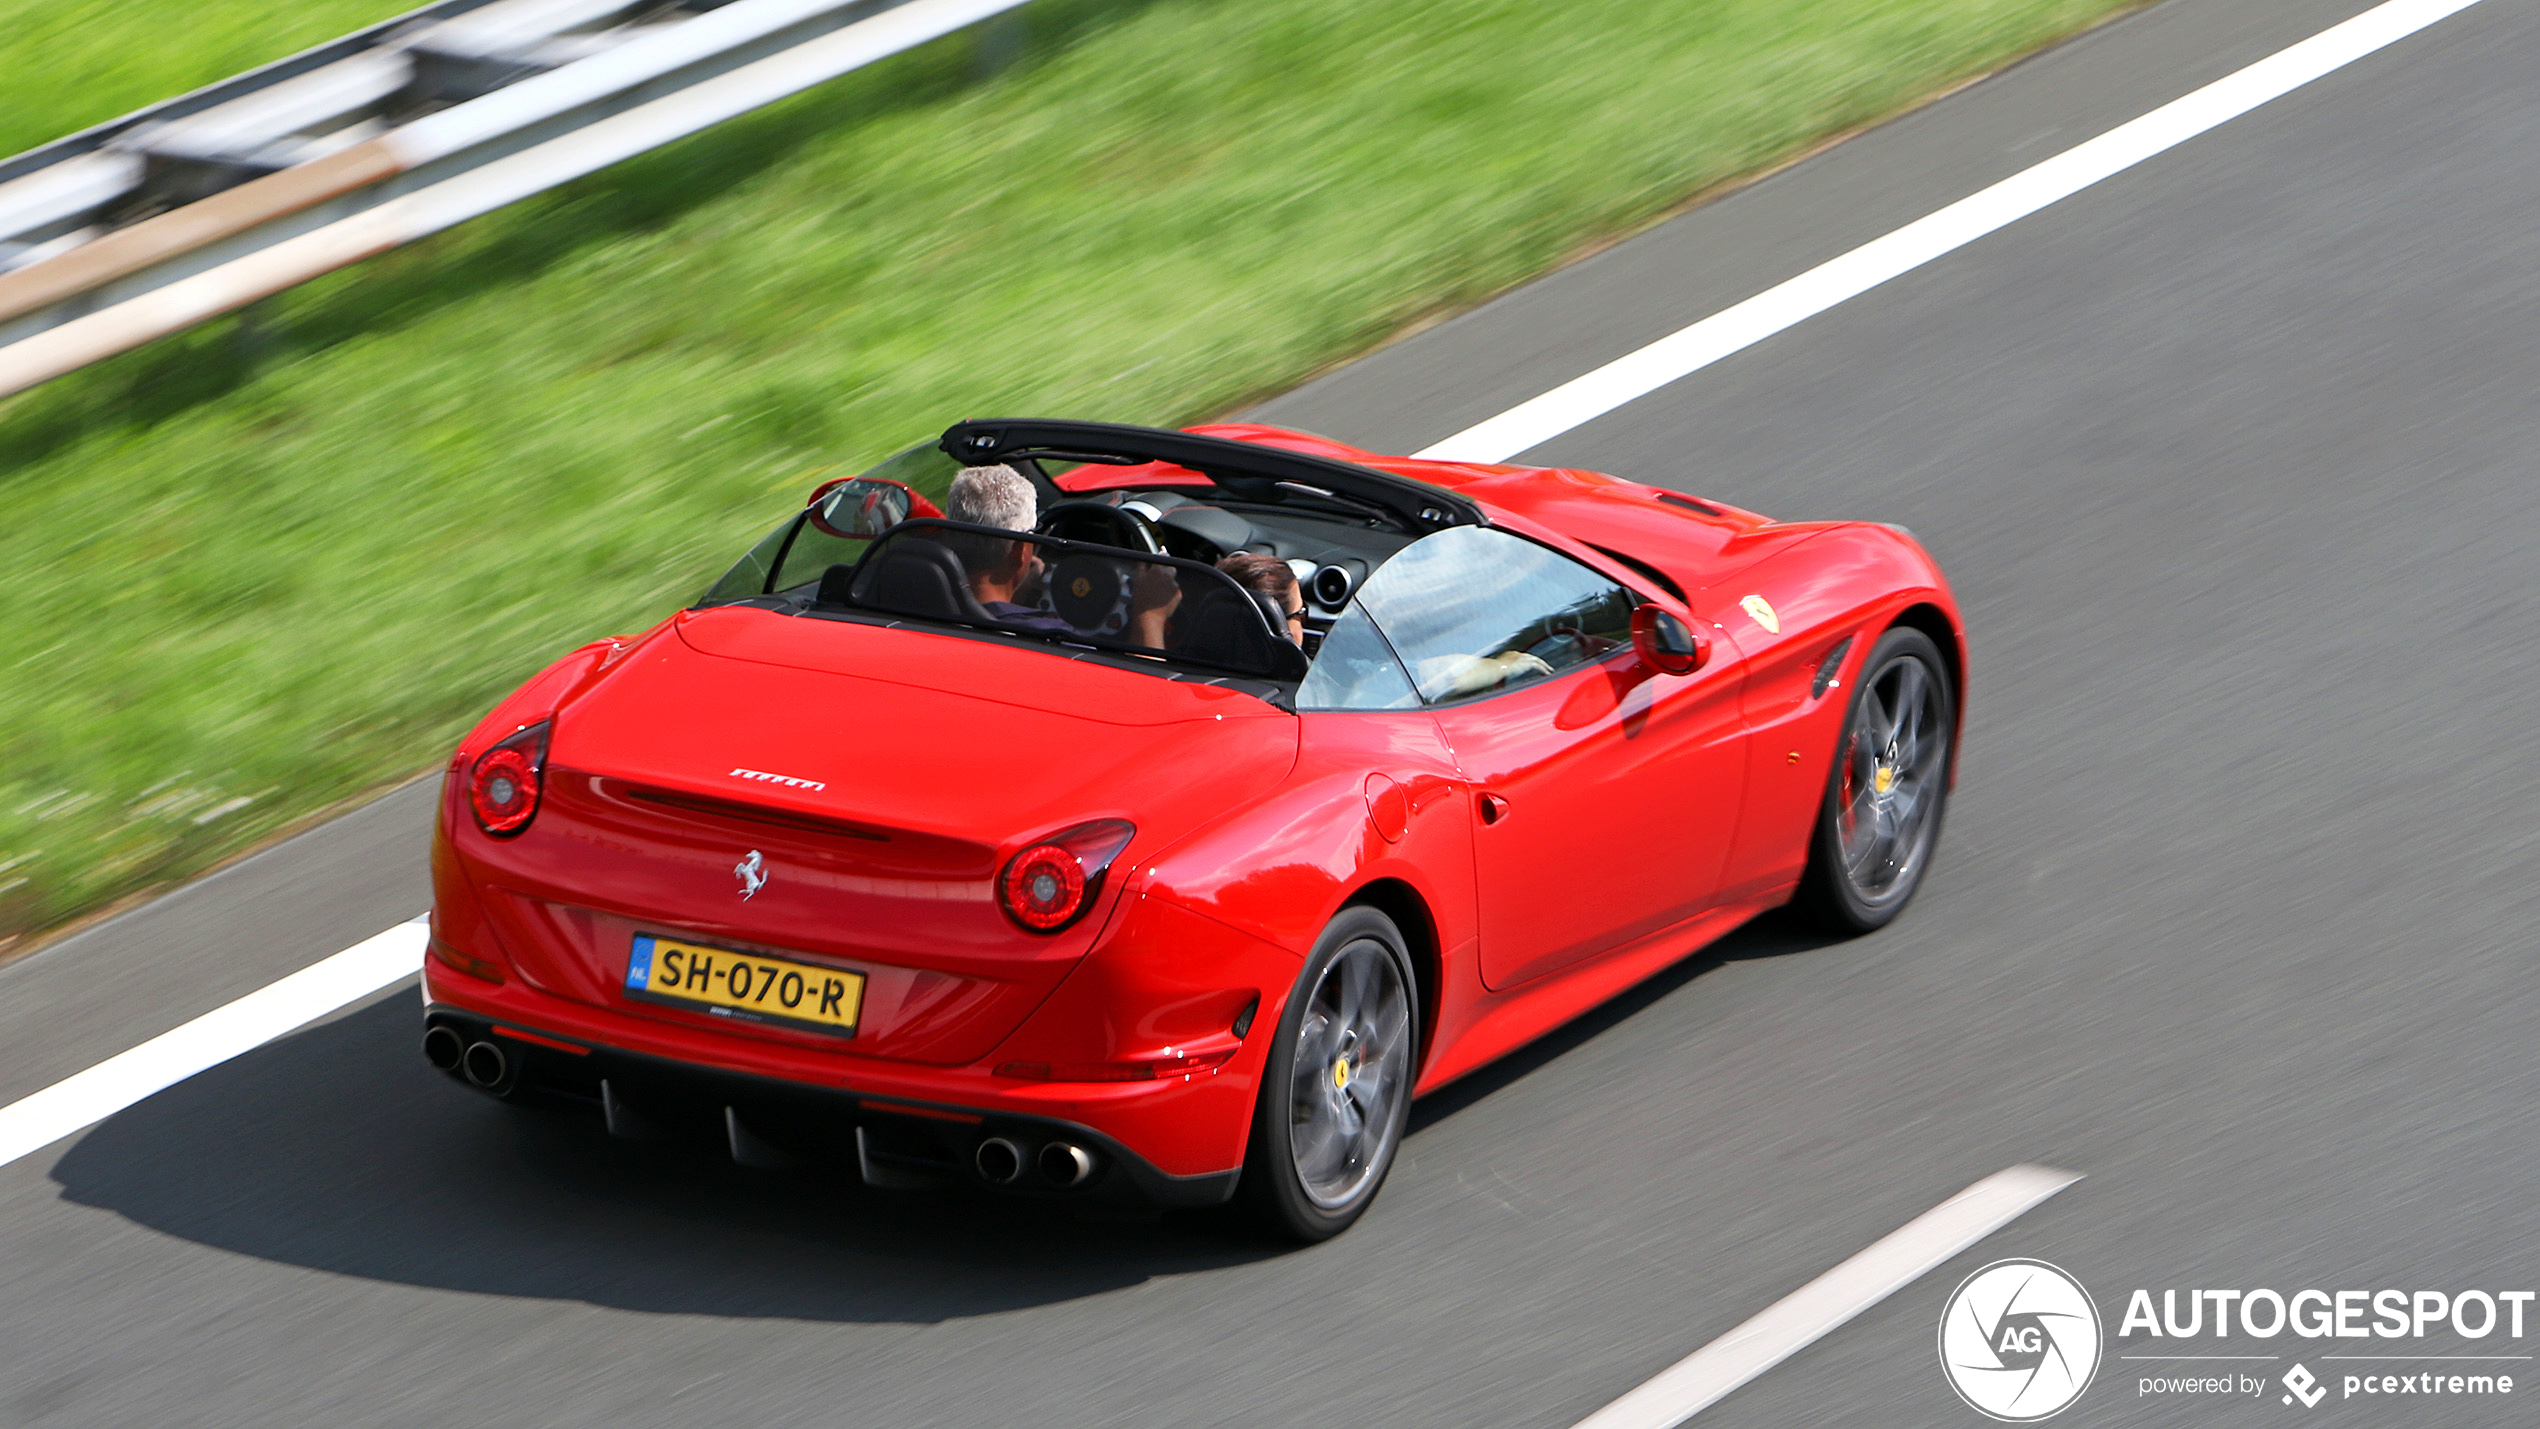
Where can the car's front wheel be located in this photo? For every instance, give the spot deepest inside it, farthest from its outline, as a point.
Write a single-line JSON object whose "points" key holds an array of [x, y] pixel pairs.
{"points": [[1881, 818], [1336, 1091]]}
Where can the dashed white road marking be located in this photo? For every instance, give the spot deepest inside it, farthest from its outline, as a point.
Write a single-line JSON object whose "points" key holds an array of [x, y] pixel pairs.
{"points": [[1688, 350], [86, 1098], [1804, 1316]]}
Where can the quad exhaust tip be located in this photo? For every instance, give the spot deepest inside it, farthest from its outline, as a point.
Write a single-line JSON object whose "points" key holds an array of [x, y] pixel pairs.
{"points": [[443, 1048], [484, 1064], [1065, 1164], [1000, 1161]]}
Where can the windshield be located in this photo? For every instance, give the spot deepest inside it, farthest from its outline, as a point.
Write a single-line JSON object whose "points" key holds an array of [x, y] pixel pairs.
{"points": [[1472, 611]]}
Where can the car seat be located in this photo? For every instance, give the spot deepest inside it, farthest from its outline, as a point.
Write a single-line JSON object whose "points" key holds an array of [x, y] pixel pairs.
{"points": [[908, 576], [1240, 629]]}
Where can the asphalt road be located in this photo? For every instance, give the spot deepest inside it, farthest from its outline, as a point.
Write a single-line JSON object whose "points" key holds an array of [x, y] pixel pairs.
{"points": [[2230, 459]]}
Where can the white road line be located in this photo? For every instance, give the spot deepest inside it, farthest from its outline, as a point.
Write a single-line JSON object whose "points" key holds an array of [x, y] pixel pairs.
{"points": [[1799, 1319], [89, 1097], [1689, 350]]}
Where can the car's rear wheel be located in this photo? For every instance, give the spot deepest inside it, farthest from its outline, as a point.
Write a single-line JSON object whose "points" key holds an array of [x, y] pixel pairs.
{"points": [[1884, 799], [1336, 1090]]}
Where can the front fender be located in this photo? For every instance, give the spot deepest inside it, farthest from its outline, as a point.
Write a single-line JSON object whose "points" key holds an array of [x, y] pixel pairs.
{"points": [[1831, 597]]}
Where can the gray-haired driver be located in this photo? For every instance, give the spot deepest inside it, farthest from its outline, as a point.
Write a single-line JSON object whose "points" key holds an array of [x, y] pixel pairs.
{"points": [[1000, 496]]}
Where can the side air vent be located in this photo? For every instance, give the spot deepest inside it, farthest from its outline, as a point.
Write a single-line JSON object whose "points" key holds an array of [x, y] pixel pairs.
{"points": [[1828, 667]]}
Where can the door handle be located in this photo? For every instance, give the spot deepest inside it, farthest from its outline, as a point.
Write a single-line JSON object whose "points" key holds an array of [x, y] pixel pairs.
{"points": [[1494, 808]]}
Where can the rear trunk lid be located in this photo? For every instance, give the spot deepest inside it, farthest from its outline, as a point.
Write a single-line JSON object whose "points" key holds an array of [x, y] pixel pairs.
{"points": [[881, 778]]}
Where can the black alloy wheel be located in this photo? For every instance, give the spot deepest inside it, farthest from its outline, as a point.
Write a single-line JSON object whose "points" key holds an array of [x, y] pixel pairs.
{"points": [[1336, 1090], [1881, 818]]}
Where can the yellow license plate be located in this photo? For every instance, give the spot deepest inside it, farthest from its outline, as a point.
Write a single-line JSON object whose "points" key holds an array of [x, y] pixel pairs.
{"points": [[744, 986]]}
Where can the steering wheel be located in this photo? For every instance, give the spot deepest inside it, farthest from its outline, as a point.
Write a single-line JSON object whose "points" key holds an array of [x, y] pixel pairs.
{"points": [[1098, 524], [1091, 592]]}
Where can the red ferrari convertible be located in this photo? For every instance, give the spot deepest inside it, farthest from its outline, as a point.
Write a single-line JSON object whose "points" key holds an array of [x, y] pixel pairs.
{"points": [[1165, 819]]}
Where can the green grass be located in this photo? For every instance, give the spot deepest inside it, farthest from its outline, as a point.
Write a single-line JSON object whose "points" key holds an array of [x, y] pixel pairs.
{"points": [[267, 565], [67, 64]]}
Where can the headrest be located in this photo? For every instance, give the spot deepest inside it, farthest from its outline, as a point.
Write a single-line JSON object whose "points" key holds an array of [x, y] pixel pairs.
{"points": [[912, 577], [1233, 626]]}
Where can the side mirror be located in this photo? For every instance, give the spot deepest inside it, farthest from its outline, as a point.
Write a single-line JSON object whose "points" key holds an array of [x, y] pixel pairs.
{"points": [[860, 508], [1667, 644]]}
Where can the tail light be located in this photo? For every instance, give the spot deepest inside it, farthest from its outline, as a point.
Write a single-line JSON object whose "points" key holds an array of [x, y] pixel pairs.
{"points": [[503, 787], [1052, 883]]}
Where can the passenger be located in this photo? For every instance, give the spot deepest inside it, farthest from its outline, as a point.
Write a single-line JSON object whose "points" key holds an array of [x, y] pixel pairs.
{"points": [[1453, 676], [1270, 576], [999, 496]]}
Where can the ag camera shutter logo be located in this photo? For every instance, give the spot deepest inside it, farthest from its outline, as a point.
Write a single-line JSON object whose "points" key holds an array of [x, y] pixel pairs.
{"points": [[2019, 1340]]}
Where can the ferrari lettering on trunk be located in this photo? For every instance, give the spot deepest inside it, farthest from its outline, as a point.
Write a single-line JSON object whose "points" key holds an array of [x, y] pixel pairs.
{"points": [[761, 776]]}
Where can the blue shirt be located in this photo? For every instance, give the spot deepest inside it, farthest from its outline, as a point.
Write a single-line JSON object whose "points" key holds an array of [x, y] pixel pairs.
{"points": [[1024, 617]]}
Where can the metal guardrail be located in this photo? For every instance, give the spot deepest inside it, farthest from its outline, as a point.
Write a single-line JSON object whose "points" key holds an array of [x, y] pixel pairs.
{"points": [[201, 205]]}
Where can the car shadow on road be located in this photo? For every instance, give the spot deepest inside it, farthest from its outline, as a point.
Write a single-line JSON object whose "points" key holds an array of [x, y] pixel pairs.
{"points": [[1775, 934], [339, 1150]]}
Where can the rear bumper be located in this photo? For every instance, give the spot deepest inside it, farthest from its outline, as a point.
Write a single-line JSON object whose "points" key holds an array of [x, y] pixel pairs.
{"points": [[898, 1126]]}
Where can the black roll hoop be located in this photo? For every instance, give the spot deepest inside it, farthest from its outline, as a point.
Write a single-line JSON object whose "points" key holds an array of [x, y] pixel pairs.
{"points": [[1250, 470]]}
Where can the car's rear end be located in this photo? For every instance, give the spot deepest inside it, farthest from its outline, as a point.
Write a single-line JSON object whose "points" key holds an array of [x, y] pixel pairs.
{"points": [[833, 889]]}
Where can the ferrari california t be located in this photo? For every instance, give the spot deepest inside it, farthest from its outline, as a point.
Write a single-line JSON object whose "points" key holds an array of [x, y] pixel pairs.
{"points": [[1088, 810]]}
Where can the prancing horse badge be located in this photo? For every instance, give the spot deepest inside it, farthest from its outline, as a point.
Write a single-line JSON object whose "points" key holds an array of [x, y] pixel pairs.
{"points": [[1762, 612], [752, 872]]}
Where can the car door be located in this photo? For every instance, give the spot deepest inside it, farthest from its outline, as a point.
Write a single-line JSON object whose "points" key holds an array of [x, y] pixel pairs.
{"points": [[1605, 794]]}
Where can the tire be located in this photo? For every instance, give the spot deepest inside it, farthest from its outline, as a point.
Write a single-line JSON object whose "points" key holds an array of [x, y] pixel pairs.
{"points": [[1872, 845], [1336, 1090]]}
